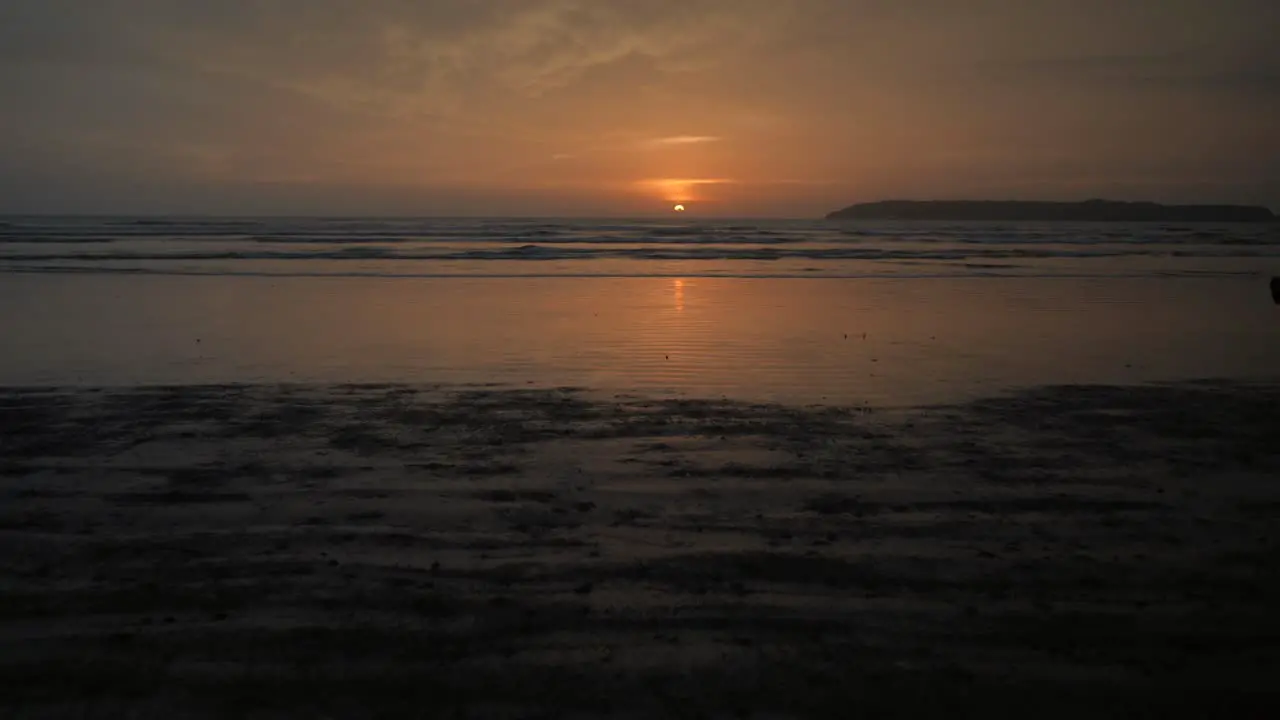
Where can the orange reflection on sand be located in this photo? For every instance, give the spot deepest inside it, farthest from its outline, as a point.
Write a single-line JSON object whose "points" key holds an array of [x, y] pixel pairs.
{"points": [[677, 291]]}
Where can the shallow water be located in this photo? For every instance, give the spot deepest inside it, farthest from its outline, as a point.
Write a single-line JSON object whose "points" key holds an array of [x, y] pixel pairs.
{"points": [[812, 340]]}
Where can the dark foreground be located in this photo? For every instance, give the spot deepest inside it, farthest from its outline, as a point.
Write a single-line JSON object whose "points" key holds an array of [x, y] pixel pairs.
{"points": [[388, 551]]}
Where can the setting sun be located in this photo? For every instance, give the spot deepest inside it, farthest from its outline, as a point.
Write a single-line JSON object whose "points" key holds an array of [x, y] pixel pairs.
{"points": [[678, 208]]}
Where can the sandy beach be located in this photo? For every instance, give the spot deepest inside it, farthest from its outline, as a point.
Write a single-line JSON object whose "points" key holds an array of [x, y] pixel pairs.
{"points": [[278, 551]]}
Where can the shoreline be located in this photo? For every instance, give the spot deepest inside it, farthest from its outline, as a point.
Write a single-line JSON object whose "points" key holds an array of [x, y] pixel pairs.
{"points": [[291, 551]]}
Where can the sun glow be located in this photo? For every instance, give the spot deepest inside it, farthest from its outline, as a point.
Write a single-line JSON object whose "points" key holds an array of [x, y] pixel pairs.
{"points": [[678, 208], [680, 190]]}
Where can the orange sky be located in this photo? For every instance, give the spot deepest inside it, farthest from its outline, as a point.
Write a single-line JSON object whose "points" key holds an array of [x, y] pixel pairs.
{"points": [[593, 107]]}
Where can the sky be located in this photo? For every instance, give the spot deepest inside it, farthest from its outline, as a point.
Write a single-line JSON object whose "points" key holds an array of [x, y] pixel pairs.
{"points": [[626, 107]]}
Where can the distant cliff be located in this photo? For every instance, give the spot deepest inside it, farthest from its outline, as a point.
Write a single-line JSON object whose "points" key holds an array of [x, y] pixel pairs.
{"points": [[1088, 211]]}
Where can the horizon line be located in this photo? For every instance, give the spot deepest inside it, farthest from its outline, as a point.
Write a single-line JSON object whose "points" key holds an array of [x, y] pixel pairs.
{"points": [[656, 214]]}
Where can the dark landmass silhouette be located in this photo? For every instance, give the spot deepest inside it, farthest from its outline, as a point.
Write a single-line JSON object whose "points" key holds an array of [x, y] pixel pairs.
{"points": [[1034, 211]]}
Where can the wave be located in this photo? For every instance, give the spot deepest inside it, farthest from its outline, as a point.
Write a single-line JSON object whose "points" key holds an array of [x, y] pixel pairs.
{"points": [[364, 247], [349, 231], [548, 238], [57, 241], [10, 236], [805, 273], [692, 252]]}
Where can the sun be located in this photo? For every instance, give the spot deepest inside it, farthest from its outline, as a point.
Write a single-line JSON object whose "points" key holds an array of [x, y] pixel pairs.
{"points": [[678, 208]]}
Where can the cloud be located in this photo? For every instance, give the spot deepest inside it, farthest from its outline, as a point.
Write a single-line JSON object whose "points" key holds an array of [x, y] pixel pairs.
{"points": [[677, 140], [852, 95], [606, 148], [1204, 70]]}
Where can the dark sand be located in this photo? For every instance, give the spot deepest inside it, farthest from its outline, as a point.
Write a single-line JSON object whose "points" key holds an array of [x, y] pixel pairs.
{"points": [[391, 551]]}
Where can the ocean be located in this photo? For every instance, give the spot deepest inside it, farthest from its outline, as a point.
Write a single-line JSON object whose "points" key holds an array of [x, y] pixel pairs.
{"points": [[619, 248], [880, 313]]}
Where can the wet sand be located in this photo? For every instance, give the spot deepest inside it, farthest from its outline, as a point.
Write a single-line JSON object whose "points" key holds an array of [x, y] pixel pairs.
{"points": [[483, 552], [884, 342]]}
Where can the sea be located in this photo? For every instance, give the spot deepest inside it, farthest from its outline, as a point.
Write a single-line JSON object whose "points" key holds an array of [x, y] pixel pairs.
{"points": [[797, 311]]}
